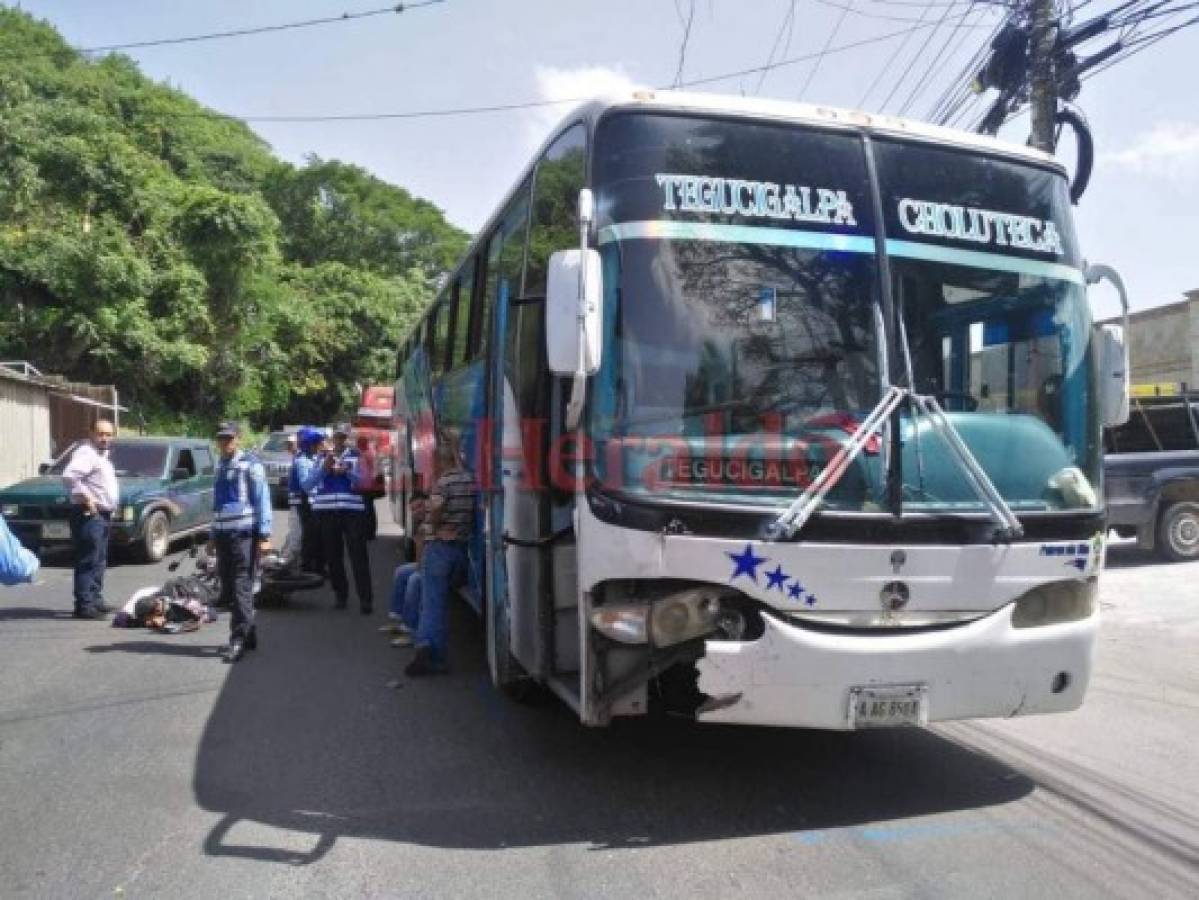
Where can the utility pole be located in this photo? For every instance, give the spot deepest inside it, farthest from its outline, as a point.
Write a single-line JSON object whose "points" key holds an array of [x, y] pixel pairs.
{"points": [[1042, 98]]}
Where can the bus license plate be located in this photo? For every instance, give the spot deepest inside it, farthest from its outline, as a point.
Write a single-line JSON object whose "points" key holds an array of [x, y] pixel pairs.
{"points": [[888, 706], [56, 531]]}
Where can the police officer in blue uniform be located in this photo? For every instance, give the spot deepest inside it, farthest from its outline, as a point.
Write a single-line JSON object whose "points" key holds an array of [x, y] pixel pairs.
{"points": [[241, 534], [341, 518], [309, 441]]}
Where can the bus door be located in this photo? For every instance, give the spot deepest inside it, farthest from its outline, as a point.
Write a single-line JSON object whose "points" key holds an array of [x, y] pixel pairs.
{"points": [[514, 439]]}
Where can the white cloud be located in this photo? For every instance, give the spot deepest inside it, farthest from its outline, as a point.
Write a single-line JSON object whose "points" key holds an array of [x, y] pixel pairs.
{"points": [[572, 85], [1169, 148]]}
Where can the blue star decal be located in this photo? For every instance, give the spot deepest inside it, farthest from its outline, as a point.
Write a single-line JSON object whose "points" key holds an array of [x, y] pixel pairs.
{"points": [[776, 579], [810, 600], [746, 563], [795, 591]]}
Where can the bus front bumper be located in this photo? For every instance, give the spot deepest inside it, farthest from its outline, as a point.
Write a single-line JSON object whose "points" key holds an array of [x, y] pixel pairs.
{"points": [[805, 678]]}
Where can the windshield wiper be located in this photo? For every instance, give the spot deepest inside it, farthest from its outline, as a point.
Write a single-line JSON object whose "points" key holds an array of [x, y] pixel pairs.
{"points": [[797, 514]]}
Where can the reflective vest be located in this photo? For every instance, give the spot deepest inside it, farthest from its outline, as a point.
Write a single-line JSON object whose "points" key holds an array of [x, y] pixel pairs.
{"points": [[336, 489], [295, 493], [232, 510]]}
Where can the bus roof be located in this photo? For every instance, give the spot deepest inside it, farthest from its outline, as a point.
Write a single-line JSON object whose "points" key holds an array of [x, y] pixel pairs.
{"points": [[813, 114]]}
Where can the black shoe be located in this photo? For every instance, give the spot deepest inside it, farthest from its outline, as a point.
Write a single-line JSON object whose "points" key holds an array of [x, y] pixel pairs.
{"points": [[90, 612], [367, 610], [252, 639], [422, 664], [341, 603], [237, 649]]}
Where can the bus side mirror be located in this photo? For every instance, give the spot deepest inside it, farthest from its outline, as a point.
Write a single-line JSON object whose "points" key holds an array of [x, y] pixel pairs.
{"points": [[1113, 376], [563, 330]]}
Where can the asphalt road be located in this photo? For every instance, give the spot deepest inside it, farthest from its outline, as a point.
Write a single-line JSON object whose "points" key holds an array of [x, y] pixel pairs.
{"points": [[138, 765]]}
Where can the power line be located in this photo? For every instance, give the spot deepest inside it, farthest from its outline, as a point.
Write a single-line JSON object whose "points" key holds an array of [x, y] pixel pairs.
{"points": [[787, 25], [922, 82], [678, 75], [891, 59], [807, 57], [958, 88], [832, 34], [264, 29], [534, 104], [925, 3], [919, 53], [884, 17], [1144, 42]]}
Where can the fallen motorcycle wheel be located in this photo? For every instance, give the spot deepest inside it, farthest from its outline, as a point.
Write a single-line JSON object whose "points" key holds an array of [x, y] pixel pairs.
{"points": [[276, 587]]}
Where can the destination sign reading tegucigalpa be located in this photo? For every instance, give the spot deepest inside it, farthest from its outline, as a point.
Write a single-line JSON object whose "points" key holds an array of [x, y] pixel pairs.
{"points": [[739, 472], [760, 199]]}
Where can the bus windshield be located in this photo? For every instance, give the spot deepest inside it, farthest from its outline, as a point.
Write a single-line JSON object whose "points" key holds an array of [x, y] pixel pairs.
{"points": [[744, 332]]}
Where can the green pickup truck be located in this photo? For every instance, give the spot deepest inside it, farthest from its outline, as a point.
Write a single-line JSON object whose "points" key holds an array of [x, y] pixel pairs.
{"points": [[166, 494]]}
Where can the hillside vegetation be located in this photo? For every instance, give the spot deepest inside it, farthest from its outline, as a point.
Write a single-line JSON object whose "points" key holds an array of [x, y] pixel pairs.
{"points": [[149, 242]]}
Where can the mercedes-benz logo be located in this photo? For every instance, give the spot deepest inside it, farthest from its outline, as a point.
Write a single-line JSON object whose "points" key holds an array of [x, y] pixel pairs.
{"points": [[894, 596]]}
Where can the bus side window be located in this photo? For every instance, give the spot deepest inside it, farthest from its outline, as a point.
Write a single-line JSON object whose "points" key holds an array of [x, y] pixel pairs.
{"points": [[505, 261], [436, 333], [401, 358], [462, 351], [560, 176]]}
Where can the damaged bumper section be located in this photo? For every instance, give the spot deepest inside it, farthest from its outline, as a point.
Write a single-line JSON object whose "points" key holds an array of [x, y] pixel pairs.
{"points": [[803, 677]]}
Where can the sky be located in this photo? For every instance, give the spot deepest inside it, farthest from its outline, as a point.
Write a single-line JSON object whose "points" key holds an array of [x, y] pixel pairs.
{"points": [[1140, 214]]}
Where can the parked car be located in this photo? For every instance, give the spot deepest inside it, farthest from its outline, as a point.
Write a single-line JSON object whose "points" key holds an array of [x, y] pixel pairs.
{"points": [[277, 463], [1151, 469], [166, 494]]}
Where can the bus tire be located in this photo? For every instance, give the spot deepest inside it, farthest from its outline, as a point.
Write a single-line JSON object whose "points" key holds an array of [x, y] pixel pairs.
{"points": [[1178, 532]]}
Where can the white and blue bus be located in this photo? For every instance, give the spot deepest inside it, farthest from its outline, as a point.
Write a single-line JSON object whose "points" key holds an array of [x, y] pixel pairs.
{"points": [[780, 414]]}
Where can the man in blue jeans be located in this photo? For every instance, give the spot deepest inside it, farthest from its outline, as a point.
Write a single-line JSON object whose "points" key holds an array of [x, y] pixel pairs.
{"points": [[92, 486], [444, 564]]}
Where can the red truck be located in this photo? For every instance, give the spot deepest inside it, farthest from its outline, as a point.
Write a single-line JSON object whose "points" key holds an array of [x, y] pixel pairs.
{"points": [[373, 418]]}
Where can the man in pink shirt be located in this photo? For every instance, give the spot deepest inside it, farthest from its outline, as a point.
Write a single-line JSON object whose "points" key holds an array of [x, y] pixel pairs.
{"points": [[92, 485]]}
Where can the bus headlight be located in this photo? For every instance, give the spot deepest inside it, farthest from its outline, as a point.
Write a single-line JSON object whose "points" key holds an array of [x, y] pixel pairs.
{"points": [[624, 623], [128, 514], [1054, 603], [669, 620], [10, 510]]}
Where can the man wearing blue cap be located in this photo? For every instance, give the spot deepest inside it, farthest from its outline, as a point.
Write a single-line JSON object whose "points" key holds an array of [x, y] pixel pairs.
{"points": [[241, 534], [340, 514], [308, 538]]}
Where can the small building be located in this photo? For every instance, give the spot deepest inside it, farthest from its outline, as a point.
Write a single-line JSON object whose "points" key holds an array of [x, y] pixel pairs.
{"points": [[1163, 347], [40, 415], [24, 425]]}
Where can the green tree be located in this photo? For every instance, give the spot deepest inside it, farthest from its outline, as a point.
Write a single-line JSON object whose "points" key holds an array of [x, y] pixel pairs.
{"points": [[335, 212], [149, 242]]}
